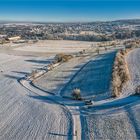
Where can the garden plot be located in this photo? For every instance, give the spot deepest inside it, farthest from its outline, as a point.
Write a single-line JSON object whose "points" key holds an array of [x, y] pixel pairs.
{"points": [[94, 78]]}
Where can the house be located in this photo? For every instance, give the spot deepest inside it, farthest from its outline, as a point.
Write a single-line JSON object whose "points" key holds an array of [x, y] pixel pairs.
{"points": [[14, 38]]}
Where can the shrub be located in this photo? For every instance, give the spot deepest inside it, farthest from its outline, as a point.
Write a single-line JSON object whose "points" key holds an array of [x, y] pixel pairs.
{"points": [[33, 73], [137, 90], [62, 57], [132, 43], [82, 52], [76, 93]]}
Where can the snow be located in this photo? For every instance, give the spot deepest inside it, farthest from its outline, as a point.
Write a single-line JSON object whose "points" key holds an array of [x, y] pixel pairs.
{"points": [[53, 81], [26, 112], [94, 78], [51, 46], [133, 60], [22, 114], [113, 121], [91, 74], [118, 118]]}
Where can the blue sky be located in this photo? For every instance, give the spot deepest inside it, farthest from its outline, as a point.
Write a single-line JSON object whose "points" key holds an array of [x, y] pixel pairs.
{"points": [[68, 10]]}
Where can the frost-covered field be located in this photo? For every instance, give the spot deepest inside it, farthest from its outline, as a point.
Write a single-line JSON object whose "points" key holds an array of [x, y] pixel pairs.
{"points": [[27, 113], [55, 46], [113, 121], [54, 80], [23, 115], [118, 119], [94, 78]]}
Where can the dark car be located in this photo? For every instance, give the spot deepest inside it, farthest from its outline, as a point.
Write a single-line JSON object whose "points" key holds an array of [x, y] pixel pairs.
{"points": [[88, 102]]}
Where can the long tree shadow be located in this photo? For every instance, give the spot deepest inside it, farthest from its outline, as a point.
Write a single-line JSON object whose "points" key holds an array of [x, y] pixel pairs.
{"points": [[134, 120], [110, 107], [21, 72], [39, 61], [12, 77], [59, 100]]}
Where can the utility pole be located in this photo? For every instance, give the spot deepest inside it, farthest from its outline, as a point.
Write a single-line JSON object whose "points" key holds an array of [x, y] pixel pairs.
{"points": [[97, 50]]}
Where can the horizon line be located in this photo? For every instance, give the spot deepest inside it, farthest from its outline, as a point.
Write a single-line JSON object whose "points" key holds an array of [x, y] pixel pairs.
{"points": [[27, 21]]}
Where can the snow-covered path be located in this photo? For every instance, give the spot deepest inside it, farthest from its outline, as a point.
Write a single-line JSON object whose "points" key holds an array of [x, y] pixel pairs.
{"points": [[72, 110], [21, 115], [133, 60]]}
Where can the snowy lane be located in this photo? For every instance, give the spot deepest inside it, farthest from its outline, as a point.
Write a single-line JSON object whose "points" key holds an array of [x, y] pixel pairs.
{"points": [[21, 115], [133, 60]]}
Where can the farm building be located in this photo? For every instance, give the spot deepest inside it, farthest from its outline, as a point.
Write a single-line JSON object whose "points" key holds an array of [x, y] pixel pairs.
{"points": [[14, 38]]}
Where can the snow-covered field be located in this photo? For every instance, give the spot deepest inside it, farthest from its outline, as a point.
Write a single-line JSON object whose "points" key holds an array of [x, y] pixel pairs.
{"points": [[111, 119], [28, 113], [55, 46], [24, 115], [116, 119], [54, 80], [94, 78]]}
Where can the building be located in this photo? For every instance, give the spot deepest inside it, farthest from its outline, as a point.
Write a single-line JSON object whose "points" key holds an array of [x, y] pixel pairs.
{"points": [[14, 38]]}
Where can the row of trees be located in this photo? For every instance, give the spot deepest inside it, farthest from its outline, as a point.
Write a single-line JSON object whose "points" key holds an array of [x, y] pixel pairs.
{"points": [[105, 37], [132, 43]]}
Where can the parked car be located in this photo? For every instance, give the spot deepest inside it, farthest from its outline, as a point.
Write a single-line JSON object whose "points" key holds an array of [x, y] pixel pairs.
{"points": [[88, 102], [137, 91]]}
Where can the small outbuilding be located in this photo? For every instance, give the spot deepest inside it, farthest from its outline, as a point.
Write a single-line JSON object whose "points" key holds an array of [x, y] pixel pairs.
{"points": [[14, 38]]}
